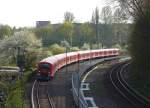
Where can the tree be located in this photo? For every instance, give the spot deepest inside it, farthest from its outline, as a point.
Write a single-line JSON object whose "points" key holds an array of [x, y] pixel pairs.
{"points": [[106, 29], [106, 15], [9, 46], [119, 16], [67, 28], [68, 17], [139, 42], [5, 31], [67, 31], [87, 31], [120, 21], [95, 22], [44, 33], [56, 49]]}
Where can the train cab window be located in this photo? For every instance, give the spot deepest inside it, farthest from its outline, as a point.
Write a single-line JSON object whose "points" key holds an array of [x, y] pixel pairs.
{"points": [[44, 66]]}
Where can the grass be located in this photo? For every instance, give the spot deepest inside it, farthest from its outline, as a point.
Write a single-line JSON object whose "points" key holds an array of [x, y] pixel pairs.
{"points": [[15, 99], [16, 92]]}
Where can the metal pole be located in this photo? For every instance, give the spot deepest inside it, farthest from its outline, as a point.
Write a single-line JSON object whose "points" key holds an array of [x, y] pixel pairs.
{"points": [[66, 75], [90, 49], [78, 82], [102, 40], [66, 62]]}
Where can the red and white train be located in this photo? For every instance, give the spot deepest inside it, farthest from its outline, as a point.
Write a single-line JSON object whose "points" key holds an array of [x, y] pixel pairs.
{"points": [[49, 66]]}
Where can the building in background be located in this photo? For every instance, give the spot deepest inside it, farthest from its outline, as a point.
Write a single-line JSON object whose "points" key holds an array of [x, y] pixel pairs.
{"points": [[42, 23]]}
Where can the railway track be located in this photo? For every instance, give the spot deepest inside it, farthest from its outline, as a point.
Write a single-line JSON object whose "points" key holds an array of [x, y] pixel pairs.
{"points": [[124, 89], [40, 97], [59, 90]]}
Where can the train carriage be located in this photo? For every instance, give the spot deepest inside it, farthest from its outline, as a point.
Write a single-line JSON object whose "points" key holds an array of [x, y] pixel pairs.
{"points": [[49, 66]]}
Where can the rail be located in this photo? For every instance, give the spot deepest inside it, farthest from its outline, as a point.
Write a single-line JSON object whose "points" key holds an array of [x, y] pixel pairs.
{"points": [[118, 81], [36, 99], [76, 79], [134, 92], [32, 94]]}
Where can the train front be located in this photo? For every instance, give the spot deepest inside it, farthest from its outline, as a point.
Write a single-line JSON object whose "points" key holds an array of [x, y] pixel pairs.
{"points": [[44, 70]]}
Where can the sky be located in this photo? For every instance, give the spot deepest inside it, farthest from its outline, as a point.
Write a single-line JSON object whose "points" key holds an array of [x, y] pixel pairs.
{"points": [[21, 13]]}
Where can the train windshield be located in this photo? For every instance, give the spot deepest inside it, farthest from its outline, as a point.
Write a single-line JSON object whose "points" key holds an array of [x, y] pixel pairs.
{"points": [[44, 66]]}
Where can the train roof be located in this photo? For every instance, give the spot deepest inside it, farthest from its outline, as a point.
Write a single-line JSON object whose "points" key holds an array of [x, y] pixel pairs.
{"points": [[55, 58], [51, 59], [97, 50]]}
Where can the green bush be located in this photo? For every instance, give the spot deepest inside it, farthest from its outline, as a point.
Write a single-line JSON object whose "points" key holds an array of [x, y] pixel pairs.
{"points": [[97, 46], [74, 49], [34, 56], [117, 46], [85, 46], [56, 49], [19, 42], [16, 91]]}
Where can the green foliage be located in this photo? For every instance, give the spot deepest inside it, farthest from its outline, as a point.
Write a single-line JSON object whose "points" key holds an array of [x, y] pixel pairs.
{"points": [[16, 92], [15, 99], [95, 24], [3, 94], [44, 33], [119, 29], [64, 43], [72, 49], [139, 43], [34, 56], [68, 17], [85, 46], [87, 31], [139, 46], [97, 46], [5, 31], [56, 49], [107, 36], [117, 46], [31, 60], [67, 30], [9, 46]]}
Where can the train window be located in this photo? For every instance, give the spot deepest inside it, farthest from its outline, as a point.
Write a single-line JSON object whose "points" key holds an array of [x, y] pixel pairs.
{"points": [[96, 53]]}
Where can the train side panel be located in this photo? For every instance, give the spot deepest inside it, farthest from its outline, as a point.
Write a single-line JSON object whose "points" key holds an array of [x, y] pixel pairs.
{"points": [[58, 61]]}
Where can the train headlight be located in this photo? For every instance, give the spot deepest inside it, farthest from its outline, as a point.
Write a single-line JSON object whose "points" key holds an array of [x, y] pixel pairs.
{"points": [[38, 74]]}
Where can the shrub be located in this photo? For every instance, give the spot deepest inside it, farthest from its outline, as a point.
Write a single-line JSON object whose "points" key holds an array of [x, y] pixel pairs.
{"points": [[56, 49], [74, 49], [85, 46]]}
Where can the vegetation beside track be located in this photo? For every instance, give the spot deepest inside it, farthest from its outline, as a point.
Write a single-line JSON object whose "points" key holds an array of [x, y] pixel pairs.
{"points": [[139, 85], [139, 42], [14, 90]]}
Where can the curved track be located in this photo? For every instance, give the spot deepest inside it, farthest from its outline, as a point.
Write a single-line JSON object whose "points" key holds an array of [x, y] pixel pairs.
{"points": [[123, 88], [59, 89], [40, 97]]}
